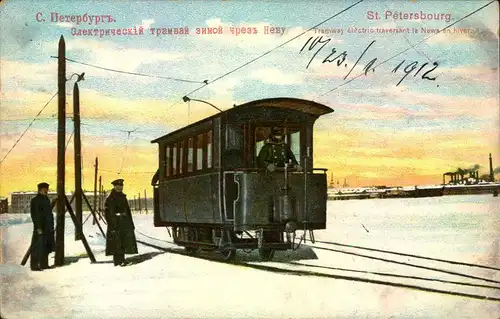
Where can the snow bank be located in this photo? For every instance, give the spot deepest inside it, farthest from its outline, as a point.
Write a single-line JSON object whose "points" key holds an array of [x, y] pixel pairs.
{"points": [[164, 285]]}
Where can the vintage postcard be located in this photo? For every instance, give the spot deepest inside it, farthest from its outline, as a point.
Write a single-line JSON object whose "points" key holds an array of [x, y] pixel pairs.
{"points": [[249, 159]]}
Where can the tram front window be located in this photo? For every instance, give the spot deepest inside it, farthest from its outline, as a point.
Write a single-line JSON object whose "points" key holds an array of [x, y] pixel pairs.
{"points": [[277, 145]]}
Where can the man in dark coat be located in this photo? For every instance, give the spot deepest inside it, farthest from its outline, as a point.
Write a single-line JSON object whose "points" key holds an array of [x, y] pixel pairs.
{"points": [[275, 153], [42, 240], [120, 237]]}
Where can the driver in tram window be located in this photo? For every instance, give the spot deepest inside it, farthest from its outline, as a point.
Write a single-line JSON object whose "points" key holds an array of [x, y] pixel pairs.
{"points": [[275, 153]]}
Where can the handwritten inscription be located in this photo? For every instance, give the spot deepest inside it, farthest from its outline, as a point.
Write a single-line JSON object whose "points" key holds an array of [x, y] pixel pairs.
{"points": [[317, 44]]}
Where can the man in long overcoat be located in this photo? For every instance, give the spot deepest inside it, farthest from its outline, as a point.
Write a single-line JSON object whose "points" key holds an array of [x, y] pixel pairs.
{"points": [[120, 236], [42, 240]]}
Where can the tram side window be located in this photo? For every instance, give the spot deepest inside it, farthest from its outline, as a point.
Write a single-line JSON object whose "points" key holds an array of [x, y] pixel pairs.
{"points": [[190, 154], [174, 160], [209, 149], [181, 157], [261, 134], [295, 145], [235, 148], [199, 152], [167, 161]]}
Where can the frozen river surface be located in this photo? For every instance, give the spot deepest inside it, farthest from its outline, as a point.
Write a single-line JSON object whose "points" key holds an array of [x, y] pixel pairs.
{"points": [[337, 282]]}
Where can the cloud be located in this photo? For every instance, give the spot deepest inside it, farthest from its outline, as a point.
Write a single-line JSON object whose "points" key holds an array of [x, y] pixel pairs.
{"points": [[22, 73], [220, 93], [258, 41], [146, 24], [22, 103], [111, 55], [437, 106], [399, 157], [468, 32], [276, 76], [476, 73]]}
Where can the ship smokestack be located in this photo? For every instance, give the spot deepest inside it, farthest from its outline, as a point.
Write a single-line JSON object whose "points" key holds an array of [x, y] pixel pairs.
{"points": [[492, 176]]}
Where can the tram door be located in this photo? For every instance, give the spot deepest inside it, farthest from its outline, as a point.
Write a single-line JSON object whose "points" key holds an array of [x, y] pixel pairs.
{"points": [[234, 158]]}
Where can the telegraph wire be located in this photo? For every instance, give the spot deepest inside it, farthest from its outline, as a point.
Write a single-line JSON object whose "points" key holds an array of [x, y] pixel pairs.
{"points": [[126, 148], [29, 118], [411, 47], [277, 47], [114, 172], [205, 82], [34, 119], [135, 73]]}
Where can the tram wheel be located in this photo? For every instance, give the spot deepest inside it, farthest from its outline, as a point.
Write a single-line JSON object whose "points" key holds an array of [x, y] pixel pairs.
{"points": [[228, 254], [266, 254]]}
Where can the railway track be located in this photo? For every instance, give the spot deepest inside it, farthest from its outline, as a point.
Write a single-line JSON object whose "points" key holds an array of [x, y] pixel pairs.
{"points": [[309, 272]]}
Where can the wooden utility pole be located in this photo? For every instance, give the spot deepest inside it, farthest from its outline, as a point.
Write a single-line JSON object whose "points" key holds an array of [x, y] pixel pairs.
{"points": [[140, 210], [61, 137], [78, 162], [145, 201], [99, 209], [135, 204], [73, 217], [95, 188]]}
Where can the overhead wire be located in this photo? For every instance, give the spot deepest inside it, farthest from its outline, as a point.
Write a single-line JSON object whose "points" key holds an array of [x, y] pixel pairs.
{"points": [[206, 82], [126, 148], [124, 173], [34, 119], [277, 47], [134, 73], [409, 48]]}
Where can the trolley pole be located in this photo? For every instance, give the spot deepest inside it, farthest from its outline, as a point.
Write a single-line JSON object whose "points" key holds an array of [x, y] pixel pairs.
{"points": [[61, 136], [145, 201], [78, 162], [95, 189]]}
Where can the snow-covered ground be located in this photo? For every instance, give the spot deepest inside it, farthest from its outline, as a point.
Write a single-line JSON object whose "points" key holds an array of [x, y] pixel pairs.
{"points": [[160, 284]]}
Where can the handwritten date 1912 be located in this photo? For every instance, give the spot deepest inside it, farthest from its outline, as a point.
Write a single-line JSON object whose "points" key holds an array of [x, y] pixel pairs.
{"points": [[320, 43], [333, 56], [412, 66]]}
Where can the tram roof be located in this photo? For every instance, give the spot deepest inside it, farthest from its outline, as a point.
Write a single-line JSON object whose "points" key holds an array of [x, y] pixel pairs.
{"points": [[301, 105]]}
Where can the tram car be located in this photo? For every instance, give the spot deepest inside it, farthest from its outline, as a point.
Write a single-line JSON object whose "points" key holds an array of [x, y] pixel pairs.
{"points": [[243, 179]]}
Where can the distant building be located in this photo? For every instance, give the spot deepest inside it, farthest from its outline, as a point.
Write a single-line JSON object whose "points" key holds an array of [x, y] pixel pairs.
{"points": [[21, 201], [4, 205]]}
